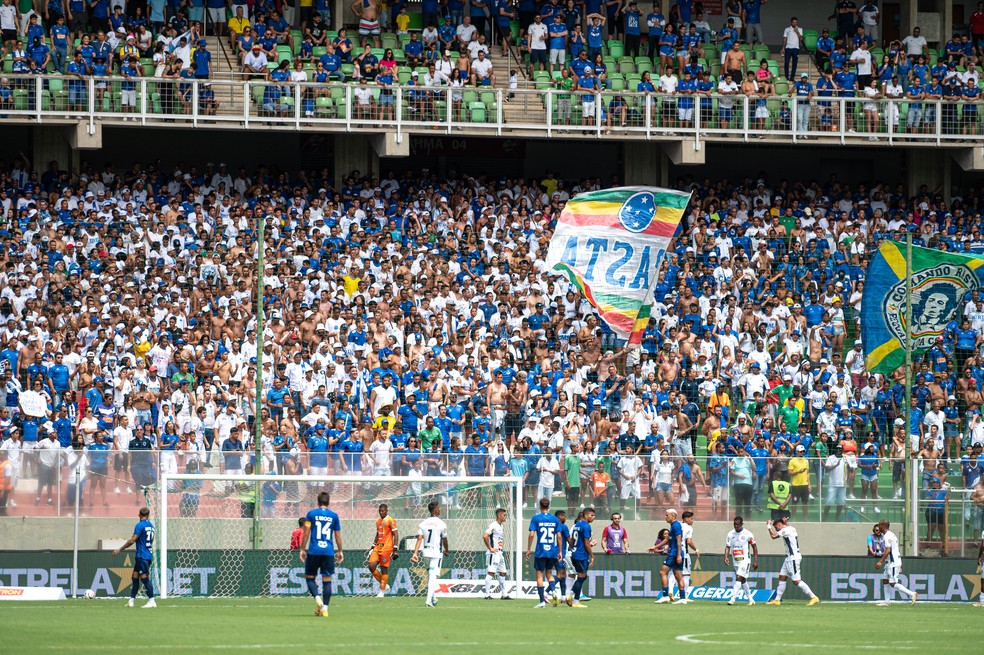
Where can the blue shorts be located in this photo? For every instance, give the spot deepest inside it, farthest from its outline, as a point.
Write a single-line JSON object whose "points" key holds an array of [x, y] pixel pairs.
{"points": [[581, 565], [544, 563], [324, 564], [142, 566], [724, 113], [671, 563]]}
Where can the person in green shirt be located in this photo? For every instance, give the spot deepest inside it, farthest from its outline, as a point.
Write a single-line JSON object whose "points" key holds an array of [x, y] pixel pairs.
{"points": [[429, 434], [790, 416], [564, 83], [819, 451], [785, 390], [572, 476]]}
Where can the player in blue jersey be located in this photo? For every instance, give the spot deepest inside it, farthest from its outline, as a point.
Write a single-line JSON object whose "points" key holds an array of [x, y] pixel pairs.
{"points": [[582, 555], [563, 564], [143, 537], [321, 548], [674, 561], [545, 531]]}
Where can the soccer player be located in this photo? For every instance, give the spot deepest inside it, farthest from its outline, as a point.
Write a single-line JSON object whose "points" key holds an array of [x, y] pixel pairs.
{"points": [[321, 548], [495, 559], [582, 555], [894, 566], [545, 531], [563, 564], [143, 537], [673, 562], [384, 549], [780, 528], [688, 545], [736, 547], [433, 536]]}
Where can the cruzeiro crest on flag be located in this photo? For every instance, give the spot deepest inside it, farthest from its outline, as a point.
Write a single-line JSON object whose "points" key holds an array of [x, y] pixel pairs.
{"points": [[936, 295], [638, 211]]}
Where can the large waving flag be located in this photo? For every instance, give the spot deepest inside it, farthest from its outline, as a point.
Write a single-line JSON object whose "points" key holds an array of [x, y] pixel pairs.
{"points": [[610, 245], [939, 282]]}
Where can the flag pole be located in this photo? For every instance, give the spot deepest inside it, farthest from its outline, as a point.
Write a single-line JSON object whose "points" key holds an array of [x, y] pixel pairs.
{"points": [[911, 532]]}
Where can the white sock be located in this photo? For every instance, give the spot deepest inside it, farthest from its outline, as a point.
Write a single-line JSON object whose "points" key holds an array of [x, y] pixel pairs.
{"points": [[488, 584], [502, 586], [748, 590], [736, 587], [805, 588], [982, 593], [781, 589], [431, 584], [904, 591], [686, 581]]}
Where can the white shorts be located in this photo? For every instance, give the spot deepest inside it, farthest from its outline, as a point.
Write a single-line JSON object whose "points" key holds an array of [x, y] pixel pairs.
{"points": [[792, 568], [743, 567], [761, 112], [892, 572], [588, 108], [687, 563], [495, 562], [716, 494], [169, 463], [128, 98], [318, 470], [217, 15], [433, 566], [685, 114], [557, 55], [631, 490], [382, 470]]}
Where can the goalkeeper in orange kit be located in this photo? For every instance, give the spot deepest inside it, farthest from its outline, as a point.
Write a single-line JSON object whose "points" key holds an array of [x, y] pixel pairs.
{"points": [[384, 549]]}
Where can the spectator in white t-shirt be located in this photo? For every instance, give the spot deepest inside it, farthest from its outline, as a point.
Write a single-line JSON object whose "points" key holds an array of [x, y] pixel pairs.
{"points": [[915, 44], [481, 71]]}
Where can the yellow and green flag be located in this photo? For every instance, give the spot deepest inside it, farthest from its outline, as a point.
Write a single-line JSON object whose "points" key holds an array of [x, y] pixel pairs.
{"points": [[940, 280]]}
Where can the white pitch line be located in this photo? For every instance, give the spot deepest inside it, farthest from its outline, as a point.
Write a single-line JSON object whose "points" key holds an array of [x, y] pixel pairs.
{"points": [[701, 638]]}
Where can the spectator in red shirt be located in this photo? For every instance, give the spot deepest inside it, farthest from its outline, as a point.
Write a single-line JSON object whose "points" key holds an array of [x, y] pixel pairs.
{"points": [[297, 535]]}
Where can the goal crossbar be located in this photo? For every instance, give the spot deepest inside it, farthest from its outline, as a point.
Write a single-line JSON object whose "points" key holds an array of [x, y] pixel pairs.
{"points": [[511, 481]]}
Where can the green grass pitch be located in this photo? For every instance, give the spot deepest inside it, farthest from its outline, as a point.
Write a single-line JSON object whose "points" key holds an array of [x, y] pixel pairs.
{"points": [[403, 625]]}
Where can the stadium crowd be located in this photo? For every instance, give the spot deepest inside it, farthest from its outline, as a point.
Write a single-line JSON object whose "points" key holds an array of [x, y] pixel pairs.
{"points": [[676, 60], [411, 328]]}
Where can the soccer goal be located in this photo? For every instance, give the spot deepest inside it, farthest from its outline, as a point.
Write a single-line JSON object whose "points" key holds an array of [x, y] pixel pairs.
{"points": [[230, 535]]}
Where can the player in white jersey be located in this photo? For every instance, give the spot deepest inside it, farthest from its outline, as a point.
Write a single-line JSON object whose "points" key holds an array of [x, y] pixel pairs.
{"points": [[688, 545], [892, 559], [736, 547], [495, 559], [792, 567], [433, 536], [980, 570]]}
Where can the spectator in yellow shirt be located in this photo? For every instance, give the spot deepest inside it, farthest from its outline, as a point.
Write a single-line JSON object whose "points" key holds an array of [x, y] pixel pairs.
{"points": [[237, 24], [799, 478]]}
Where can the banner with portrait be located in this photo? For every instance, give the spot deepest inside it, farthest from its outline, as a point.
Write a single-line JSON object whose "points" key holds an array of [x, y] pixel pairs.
{"points": [[940, 280]]}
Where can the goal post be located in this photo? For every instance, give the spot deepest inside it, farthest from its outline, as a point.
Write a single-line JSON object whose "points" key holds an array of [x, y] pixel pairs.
{"points": [[229, 535]]}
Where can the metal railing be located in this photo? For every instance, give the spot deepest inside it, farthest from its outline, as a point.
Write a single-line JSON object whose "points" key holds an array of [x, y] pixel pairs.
{"points": [[246, 103], [113, 483]]}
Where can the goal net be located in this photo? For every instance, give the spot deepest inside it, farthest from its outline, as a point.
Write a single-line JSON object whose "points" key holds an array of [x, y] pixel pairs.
{"points": [[230, 535]]}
